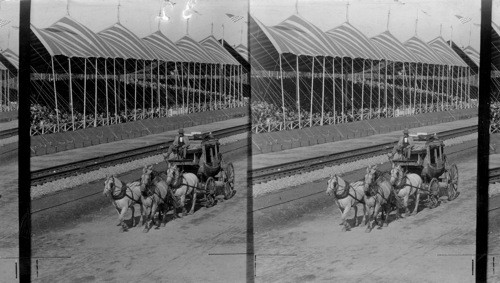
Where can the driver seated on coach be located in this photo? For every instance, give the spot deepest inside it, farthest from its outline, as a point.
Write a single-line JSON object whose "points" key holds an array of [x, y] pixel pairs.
{"points": [[180, 145], [402, 149]]}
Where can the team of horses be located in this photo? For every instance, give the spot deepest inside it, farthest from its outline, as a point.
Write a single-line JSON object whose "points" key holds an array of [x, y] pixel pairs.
{"points": [[156, 193], [379, 192]]}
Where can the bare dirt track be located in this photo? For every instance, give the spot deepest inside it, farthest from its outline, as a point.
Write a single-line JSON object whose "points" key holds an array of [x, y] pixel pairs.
{"points": [[9, 222], [191, 249], [494, 239], [301, 241]]}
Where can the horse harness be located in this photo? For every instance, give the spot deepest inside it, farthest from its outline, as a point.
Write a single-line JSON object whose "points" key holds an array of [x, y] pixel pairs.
{"points": [[347, 192], [123, 193], [377, 176]]}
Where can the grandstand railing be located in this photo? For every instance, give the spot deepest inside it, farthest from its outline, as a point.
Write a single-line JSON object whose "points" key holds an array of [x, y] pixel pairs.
{"points": [[272, 126], [90, 122]]}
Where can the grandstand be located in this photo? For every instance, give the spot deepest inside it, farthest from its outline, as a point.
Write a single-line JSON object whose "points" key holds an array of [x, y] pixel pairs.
{"points": [[83, 78], [312, 77], [9, 66]]}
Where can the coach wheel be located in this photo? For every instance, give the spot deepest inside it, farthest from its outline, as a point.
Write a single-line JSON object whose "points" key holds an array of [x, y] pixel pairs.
{"points": [[433, 192], [229, 171], [452, 182], [209, 192], [228, 191]]}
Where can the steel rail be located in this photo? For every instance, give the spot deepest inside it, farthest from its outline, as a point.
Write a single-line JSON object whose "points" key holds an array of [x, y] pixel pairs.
{"points": [[74, 168], [494, 175], [8, 133], [275, 172]]}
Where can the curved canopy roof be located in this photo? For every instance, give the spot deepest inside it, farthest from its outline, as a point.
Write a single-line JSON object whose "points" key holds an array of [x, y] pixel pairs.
{"points": [[472, 54], [444, 51], [74, 34], [294, 36], [193, 49], [9, 60], [243, 51], [126, 44], [392, 48], [217, 51], [57, 42], [303, 38], [164, 47], [422, 51], [495, 46], [355, 43]]}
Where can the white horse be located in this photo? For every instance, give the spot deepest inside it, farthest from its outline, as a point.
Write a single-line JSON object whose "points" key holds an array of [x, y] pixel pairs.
{"points": [[123, 197], [347, 196], [183, 184], [406, 185]]}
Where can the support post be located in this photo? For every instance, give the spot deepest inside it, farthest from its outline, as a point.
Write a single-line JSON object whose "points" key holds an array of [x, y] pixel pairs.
{"points": [[298, 90], [95, 96], [282, 94], [363, 91], [55, 91], [85, 93], [312, 93], [323, 94], [135, 92], [71, 95], [114, 87]]}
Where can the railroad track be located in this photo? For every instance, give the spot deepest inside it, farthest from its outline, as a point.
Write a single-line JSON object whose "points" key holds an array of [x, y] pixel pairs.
{"points": [[8, 133], [494, 175], [83, 166], [275, 172]]}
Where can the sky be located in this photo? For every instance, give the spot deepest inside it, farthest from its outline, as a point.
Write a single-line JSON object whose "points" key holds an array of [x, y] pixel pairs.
{"points": [[370, 16], [139, 16]]}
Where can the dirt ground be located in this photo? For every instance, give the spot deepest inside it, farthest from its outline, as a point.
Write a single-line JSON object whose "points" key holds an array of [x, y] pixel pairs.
{"points": [[209, 246], [9, 222], [301, 241], [494, 239]]}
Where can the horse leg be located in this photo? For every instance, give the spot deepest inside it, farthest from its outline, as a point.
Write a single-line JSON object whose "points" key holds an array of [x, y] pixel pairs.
{"points": [[417, 199], [183, 203], [341, 211], [141, 219], [150, 219], [120, 218], [387, 211], [371, 219], [344, 219], [193, 201], [118, 211], [133, 216], [364, 215], [405, 203], [356, 215]]}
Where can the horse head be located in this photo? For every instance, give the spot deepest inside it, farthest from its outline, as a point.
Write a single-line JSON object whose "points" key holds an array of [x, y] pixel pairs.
{"points": [[172, 174], [108, 185], [146, 177], [370, 178], [396, 173], [332, 184]]}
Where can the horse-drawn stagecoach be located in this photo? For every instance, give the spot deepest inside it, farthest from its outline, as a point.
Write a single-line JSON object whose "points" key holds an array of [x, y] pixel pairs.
{"points": [[204, 159], [426, 157]]}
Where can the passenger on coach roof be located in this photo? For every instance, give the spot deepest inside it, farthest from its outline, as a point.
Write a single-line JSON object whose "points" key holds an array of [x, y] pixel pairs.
{"points": [[180, 145], [402, 149]]}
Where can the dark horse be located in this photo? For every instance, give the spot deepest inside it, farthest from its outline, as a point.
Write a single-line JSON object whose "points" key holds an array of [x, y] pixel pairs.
{"points": [[157, 196]]}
